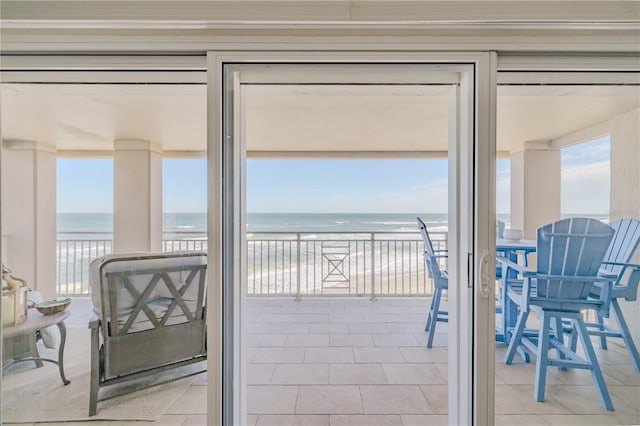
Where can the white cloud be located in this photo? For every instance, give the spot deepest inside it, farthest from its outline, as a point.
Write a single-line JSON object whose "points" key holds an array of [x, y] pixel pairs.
{"points": [[428, 197], [503, 192], [586, 187]]}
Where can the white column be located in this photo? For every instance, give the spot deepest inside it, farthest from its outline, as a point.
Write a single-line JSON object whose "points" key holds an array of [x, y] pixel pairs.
{"points": [[625, 191], [535, 187], [29, 213], [137, 196]]}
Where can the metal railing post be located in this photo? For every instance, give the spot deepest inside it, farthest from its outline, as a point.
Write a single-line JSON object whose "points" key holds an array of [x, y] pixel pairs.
{"points": [[298, 267], [373, 267]]}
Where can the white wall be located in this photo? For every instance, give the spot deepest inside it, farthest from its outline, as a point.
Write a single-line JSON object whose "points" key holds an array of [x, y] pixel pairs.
{"points": [[625, 189], [29, 214], [137, 197], [535, 189]]}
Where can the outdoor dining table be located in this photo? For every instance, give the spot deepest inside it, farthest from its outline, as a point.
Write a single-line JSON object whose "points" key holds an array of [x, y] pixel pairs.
{"points": [[508, 311]]}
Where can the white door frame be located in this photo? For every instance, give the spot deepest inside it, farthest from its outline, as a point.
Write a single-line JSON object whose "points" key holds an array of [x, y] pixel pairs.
{"points": [[473, 171]]}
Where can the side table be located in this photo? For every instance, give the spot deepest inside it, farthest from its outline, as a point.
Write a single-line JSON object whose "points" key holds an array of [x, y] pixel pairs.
{"points": [[37, 321]]}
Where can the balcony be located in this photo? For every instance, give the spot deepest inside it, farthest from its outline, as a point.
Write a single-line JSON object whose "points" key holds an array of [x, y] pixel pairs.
{"points": [[348, 361]]}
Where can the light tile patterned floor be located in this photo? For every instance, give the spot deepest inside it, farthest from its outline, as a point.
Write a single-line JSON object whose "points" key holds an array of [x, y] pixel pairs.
{"points": [[356, 362]]}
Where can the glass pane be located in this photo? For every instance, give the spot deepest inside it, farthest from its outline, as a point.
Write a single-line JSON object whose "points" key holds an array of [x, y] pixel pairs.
{"points": [[103, 220], [337, 285], [571, 149]]}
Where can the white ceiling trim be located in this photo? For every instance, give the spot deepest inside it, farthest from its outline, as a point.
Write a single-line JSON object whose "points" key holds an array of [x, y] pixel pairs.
{"points": [[494, 24], [588, 134]]}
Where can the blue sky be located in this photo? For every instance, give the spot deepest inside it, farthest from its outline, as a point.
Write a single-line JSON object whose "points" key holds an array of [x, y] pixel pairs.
{"points": [[330, 185]]}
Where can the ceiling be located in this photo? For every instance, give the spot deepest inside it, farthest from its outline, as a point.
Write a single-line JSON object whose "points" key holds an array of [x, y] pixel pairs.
{"points": [[329, 118]]}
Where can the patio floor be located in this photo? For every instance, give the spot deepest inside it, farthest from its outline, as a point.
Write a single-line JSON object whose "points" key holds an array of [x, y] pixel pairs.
{"points": [[355, 362]]}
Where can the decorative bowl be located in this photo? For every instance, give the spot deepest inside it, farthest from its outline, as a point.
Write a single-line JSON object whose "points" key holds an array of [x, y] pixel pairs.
{"points": [[513, 234], [53, 306]]}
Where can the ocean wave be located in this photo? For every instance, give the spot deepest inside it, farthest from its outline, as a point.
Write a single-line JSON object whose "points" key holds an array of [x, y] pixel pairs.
{"points": [[388, 223]]}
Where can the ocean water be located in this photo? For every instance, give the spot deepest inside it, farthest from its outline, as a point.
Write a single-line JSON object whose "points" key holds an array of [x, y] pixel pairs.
{"points": [[194, 225]]}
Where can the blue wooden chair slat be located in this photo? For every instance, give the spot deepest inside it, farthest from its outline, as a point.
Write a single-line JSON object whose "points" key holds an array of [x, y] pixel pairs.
{"points": [[440, 283], [570, 252], [627, 276]]}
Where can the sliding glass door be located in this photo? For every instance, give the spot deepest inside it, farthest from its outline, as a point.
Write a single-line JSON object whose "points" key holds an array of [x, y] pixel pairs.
{"points": [[305, 106]]}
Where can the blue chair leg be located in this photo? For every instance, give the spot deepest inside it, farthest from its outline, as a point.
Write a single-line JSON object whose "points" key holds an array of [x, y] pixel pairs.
{"points": [[434, 316], [558, 330], [626, 335], [517, 336], [573, 338], [430, 315], [543, 358], [603, 339], [591, 358]]}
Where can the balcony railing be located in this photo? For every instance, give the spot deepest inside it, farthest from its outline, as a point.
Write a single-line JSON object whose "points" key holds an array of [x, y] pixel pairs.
{"points": [[294, 264]]}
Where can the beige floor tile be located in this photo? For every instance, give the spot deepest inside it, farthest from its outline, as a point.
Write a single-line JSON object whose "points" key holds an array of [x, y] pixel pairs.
{"points": [[413, 374], [193, 401], [251, 353], [318, 340], [524, 374], [424, 420], [195, 420], [271, 399], [375, 354], [329, 399], [437, 396], [278, 327], [444, 371], [518, 399], [390, 309], [613, 355], [20, 424], [96, 423], [350, 340], [366, 420], [584, 400], [397, 340], [356, 374], [260, 374], [293, 420], [630, 395], [424, 354], [624, 374], [394, 399], [252, 419], [279, 355], [266, 339], [329, 327], [363, 327], [592, 420], [409, 327], [301, 374], [440, 340], [172, 420], [520, 420], [329, 355], [200, 380]]}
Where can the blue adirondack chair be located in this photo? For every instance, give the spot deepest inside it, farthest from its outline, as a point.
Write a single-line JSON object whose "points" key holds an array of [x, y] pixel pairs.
{"points": [[440, 282], [616, 265], [569, 255]]}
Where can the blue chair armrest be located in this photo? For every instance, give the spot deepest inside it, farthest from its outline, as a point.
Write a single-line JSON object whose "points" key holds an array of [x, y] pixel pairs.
{"points": [[629, 265], [516, 266]]}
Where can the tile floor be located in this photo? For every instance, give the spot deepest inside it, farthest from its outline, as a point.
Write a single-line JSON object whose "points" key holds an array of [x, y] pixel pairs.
{"points": [[357, 362]]}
